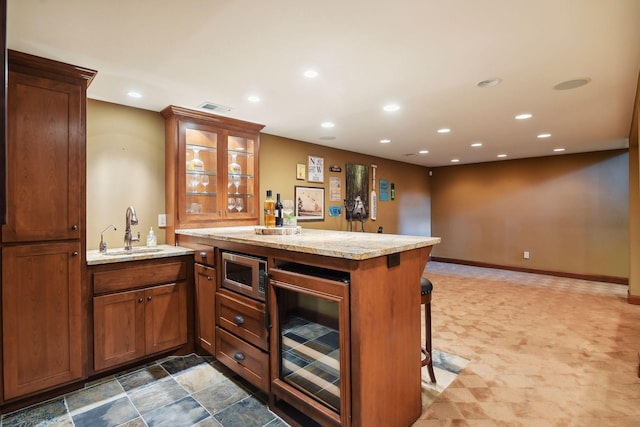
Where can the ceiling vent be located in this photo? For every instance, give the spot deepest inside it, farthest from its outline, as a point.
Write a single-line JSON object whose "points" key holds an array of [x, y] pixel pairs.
{"points": [[215, 108]]}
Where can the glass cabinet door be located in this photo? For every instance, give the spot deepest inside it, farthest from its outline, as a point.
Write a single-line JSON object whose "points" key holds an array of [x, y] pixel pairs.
{"points": [[201, 173], [241, 168]]}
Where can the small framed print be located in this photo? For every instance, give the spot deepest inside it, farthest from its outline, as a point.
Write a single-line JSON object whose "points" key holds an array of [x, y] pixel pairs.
{"points": [[315, 168], [301, 171], [309, 203]]}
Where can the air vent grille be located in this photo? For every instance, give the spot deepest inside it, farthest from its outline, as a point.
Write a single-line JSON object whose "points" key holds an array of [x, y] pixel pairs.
{"points": [[216, 108]]}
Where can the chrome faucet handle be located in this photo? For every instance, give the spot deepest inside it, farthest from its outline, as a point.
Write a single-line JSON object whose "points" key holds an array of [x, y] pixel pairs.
{"points": [[103, 245]]}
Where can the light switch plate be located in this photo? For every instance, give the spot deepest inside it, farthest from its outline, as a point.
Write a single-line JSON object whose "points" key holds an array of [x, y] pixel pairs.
{"points": [[162, 220]]}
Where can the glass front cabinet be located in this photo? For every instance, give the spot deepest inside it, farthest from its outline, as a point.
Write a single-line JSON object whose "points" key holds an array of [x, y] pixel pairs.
{"points": [[211, 166]]}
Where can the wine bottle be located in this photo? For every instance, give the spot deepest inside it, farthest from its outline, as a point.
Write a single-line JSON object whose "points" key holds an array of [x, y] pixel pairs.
{"points": [[278, 212], [269, 211]]}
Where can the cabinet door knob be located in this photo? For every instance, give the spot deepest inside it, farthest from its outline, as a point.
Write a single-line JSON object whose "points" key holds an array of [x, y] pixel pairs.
{"points": [[148, 298], [209, 278], [238, 320], [74, 253], [238, 356], [74, 227], [203, 254], [140, 300]]}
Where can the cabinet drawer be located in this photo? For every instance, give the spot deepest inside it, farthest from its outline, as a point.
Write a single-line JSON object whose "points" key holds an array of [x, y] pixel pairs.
{"points": [[242, 358], [243, 317], [135, 277], [203, 253]]}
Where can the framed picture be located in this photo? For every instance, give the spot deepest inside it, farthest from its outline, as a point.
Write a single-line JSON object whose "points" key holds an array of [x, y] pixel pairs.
{"points": [[309, 203], [301, 171], [315, 167]]}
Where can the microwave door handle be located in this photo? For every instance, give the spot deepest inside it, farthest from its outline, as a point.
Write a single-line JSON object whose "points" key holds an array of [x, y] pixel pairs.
{"points": [[267, 315]]}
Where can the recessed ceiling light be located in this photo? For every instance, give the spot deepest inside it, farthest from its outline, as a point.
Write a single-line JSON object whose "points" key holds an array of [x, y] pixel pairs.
{"points": [[558, 150], [524, 116], [544, 135], [444, 130], [385, 141], [572, 84], [327, 125], [477, 144], [391, 107], [490, 82], [134, 94], [423, 151], [501, 155], [311, 74], [455, 160], [253, 98]]}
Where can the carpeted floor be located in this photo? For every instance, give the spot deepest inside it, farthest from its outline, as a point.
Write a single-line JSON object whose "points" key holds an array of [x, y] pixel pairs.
{"points": [[542, 350]]}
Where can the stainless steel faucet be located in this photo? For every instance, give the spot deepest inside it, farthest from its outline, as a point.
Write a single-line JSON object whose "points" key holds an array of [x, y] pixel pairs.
{"points": [[131, 219], [103, 244]]}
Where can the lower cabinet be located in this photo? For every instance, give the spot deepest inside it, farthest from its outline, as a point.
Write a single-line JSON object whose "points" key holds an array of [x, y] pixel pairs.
{"points": [[205, 282], [134, 324], [41, 317], [139, 310]]}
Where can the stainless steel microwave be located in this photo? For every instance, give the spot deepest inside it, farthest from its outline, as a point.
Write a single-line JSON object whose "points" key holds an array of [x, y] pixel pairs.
{"points": [[245, 274]]}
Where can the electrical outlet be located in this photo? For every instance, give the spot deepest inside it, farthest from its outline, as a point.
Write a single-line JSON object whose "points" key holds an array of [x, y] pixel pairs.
{"points": [[527, 255], [162, 220]]}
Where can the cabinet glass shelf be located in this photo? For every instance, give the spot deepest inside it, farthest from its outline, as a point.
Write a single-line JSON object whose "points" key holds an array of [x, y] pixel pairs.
{"points": [[201, 148], [241, 153], [199, 172], [201, 193]]}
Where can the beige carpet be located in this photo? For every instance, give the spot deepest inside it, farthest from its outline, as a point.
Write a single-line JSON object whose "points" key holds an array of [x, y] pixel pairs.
{"points": [[542, 350]]}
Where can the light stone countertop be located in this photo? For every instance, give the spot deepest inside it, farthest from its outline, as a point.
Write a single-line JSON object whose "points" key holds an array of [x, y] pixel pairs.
{"points": [[138, 253], [338, 244]]}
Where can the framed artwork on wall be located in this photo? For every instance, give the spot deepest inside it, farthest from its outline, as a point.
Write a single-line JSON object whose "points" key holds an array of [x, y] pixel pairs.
{"points": [[309, 203], [315, 167], [301, 171]]}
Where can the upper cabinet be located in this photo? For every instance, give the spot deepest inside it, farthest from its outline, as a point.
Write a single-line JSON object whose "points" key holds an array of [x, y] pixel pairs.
{"points": [[211, 170], [45, 149]]}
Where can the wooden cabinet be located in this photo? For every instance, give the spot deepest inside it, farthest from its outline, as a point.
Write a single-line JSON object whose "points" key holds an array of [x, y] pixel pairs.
{"points": [[45, 150], [43, 240], [205, 281], [242, 337], [41, 317], [140, 308], [211, 170]]}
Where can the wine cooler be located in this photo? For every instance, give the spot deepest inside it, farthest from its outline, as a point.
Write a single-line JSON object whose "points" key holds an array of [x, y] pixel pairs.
{"points": [[310, 344]]}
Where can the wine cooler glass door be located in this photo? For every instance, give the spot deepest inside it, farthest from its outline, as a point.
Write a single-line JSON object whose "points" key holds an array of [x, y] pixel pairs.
{"points": [[312, 330]]}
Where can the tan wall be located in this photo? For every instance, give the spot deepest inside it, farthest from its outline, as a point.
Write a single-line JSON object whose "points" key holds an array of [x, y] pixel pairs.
{"points": [[570, 212], [634, 203], [409, 213], [125, 166]]}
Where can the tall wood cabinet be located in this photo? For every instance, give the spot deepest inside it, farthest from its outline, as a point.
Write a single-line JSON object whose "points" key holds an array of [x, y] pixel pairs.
{"points": [[43, 240], [211, 170]]}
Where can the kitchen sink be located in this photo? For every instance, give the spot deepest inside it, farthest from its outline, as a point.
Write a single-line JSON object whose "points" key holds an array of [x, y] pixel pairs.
{"points": [[135, 251]]}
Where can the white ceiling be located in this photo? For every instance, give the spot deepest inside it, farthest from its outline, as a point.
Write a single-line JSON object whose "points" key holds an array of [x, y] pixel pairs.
{"points": [[425, 55]]}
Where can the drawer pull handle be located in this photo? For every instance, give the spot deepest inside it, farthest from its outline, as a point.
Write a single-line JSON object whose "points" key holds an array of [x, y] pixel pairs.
{"points": [[239, 320], [75, 253], [140, 300], [238, 356], [203, 254], [74, 227]]}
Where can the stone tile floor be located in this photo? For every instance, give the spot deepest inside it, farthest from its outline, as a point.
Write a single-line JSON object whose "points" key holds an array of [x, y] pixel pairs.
{"points": [[172, 392]]}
